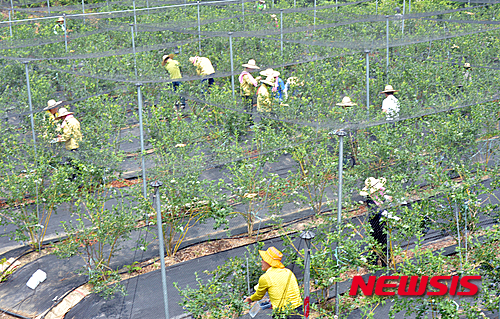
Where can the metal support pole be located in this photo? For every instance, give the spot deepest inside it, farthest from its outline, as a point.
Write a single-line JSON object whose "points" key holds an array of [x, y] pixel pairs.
{"points": [[133, 48], [135, 17], [10, 24], [199, 28], [376, 6], [83, 10], [157, 185], [314, 23], [387, 45], [459, 239], [409, 6], [465, 232], [272, 4], [295, 3], [336, 8], [307, 236], [248, 279], [341, 135], [65, 33], [367, 52], [232, 64], [141, 133], [48, 5], [34, 144], [243, 13], [403, 17], [281, 29]]}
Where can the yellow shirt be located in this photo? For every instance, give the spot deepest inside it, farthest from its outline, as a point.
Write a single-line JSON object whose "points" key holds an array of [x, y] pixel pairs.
{"points": [[247, 87], [204, 66], [263, 99], [71, 133], [274, 281], [173, 69]]}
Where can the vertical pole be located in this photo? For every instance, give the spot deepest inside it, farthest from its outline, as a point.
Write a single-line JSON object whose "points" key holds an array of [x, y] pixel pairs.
{"points": [[387, 243], [281, 29], [10, 24], [157, 185], [367, 82], [34, 144], [83, 10], [199, 28], [135, 17], [248, 279], [243, 13], [341, 135], [232, 62], [48, 5], [314, 23], [133, 48], [272, 4], [336, 8], [459, 239], [403, 17], [465, 232], [387, 46], [409, 6], [65, 33], [295, 3], [376, 6], [107, 3], [307, 236], [141, 132]]}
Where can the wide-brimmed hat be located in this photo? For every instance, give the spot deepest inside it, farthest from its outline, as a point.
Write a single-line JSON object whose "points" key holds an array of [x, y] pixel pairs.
{"points": [[269, 81], [193, 59], [346, 101], [60, 19], [251, 65], [63, 112], [270, 72], [52, 104], [389, 89], [467, 65], [165, 57], [272, 256], [273, 16], [372, 185], [262, 1]]}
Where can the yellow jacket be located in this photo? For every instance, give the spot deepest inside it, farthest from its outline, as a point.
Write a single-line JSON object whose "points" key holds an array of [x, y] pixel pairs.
{"points": [[263, 99], [204, 66], [71, 133], [274, 281], [247, 84], [173, 69]]}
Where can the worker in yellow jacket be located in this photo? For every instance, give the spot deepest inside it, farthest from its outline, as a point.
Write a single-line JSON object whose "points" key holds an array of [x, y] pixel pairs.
{"points": [[203, 68], [173, 68], [280, 283], [71, 133]]}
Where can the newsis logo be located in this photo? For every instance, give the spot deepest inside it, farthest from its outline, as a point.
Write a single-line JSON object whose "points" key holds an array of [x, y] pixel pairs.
{"points": [[415, 285]]}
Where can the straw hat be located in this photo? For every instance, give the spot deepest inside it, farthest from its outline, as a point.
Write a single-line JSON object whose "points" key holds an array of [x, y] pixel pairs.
{"points": [[165, 57], [262, 1], [467, 65], [63, 112], [270, 73], [52, 104], [251, 65], [272, 256], [269, 80], [346, 101], [372, 185], [60, 19], [193, 59], [389, 89], [273, 16]]}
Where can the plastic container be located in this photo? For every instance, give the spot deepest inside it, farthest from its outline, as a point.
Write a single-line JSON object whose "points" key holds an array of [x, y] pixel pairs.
{"points": [[255, 309]]}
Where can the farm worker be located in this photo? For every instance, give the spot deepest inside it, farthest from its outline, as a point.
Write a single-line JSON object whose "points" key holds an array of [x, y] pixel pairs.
{"points": [[71, 133], [50, 125], [274, 20], [390, 105], [279, 282], [173, 69], [204, 68], [248, 84], [263, 97], [291, 82], [260, 5], [467, 74], [376, 195], [346, 102], [278, 85], [59, 26]]}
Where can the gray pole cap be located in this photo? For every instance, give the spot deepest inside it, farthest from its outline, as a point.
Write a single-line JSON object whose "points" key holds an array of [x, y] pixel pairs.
{"points": [[307, 235], [156, 184]]}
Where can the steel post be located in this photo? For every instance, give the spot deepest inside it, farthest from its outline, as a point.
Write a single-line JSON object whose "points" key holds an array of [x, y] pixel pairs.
{"points": [[157, 185], [336, 7], [232, 62], [307, 236], [141, 133], [295, 3], [199, 28], [10, 24], [272, 4], [248, 279], [387, 46], [281, 29], [65, 33], [314, 23], [83, 10], [341, 135], [133, 48], [135, 18], [34, 145], [409, 6], [48, 5], [243, 13], [376, 6], [403, 17], [367, 52], [458, 234]]}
